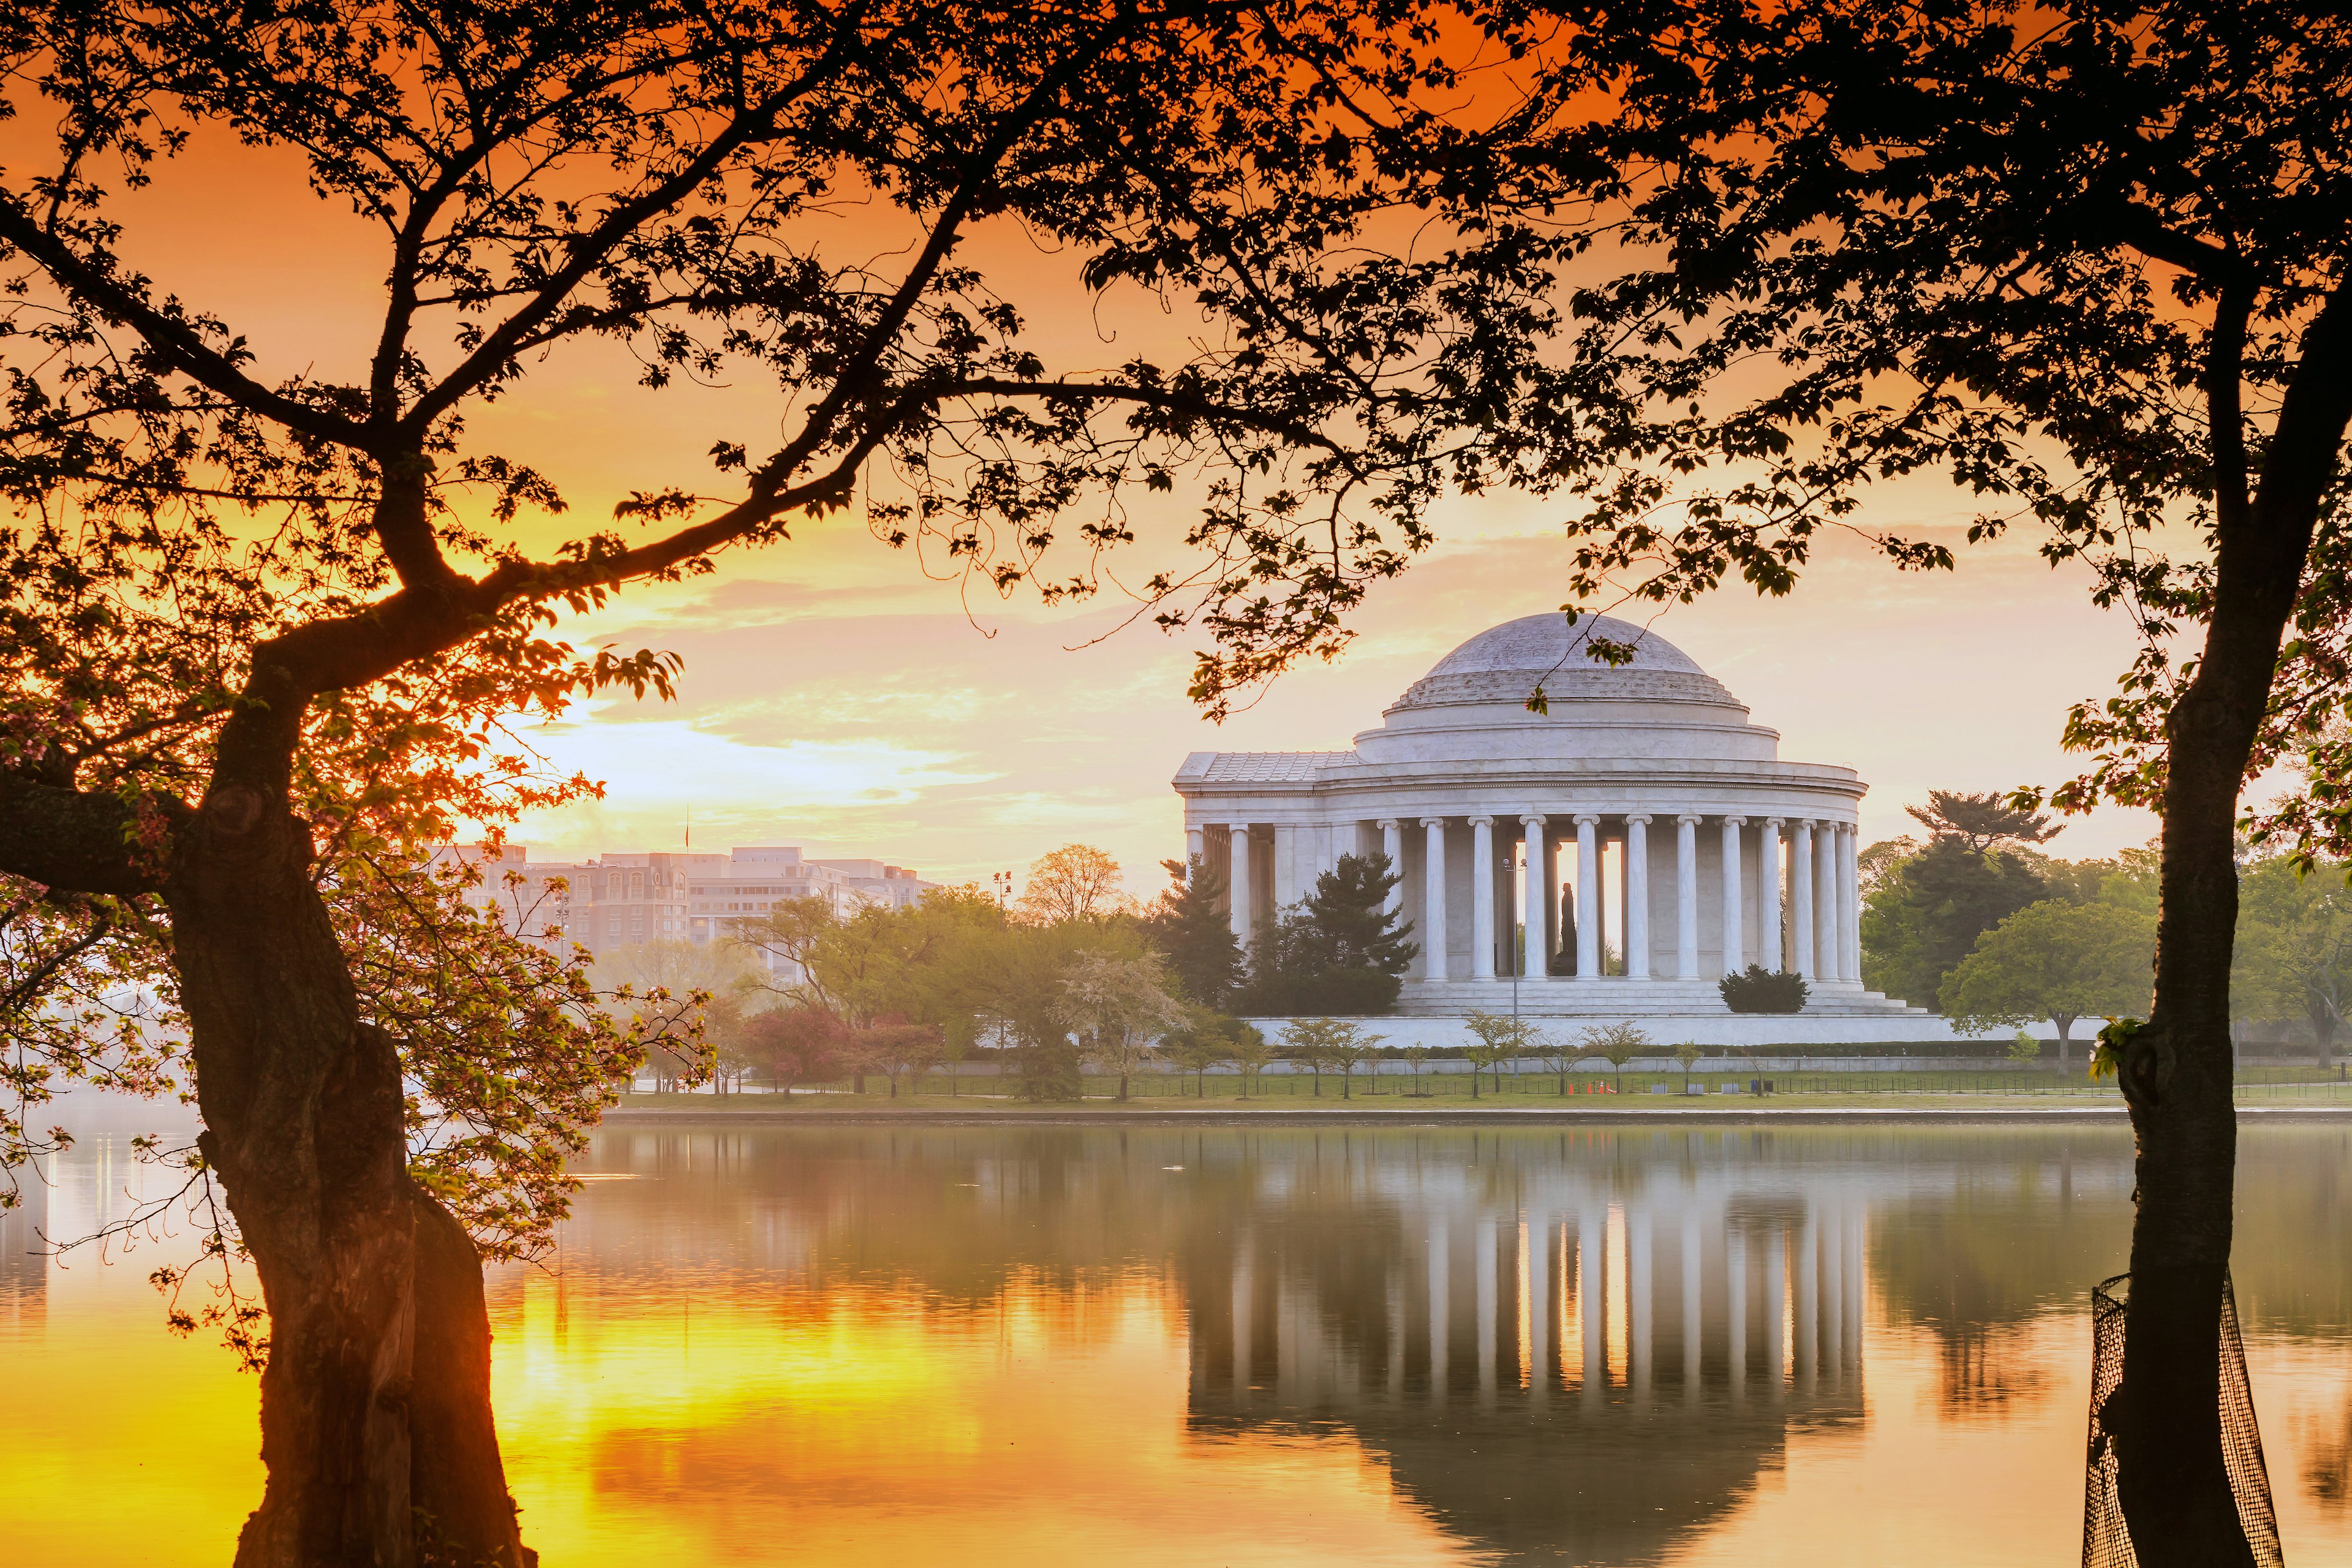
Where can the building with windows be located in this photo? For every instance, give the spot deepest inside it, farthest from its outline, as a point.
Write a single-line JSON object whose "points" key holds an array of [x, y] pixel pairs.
{"points": [[627, 899], [1612, 856]]}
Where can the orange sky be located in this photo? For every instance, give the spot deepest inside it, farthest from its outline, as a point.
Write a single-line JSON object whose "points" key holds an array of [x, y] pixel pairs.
{"points": [[834, 696]]}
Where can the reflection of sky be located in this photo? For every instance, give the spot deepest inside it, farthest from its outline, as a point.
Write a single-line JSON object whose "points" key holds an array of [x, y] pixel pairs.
{"points": [[1010, 1347]]}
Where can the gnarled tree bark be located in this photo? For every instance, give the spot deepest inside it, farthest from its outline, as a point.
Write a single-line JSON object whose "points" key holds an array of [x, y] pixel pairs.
{"points": [[375, 1416], [2176, 1072]]}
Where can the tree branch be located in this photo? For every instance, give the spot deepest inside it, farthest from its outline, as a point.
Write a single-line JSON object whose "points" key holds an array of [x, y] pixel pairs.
{"points": [[175, 342], [79, 840], [26, 989], [587, 250], [1154, 398]]}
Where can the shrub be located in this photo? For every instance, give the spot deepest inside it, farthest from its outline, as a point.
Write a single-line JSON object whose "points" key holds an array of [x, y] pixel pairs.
{"points": [[1325, 993], [1049, 1070], [1761, 990]]}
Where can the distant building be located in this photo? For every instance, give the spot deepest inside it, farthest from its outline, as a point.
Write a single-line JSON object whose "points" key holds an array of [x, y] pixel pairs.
{"points": [[627, 899]]}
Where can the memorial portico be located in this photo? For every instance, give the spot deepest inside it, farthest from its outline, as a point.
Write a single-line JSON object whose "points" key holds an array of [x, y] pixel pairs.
{"points": [[1615, 853]]}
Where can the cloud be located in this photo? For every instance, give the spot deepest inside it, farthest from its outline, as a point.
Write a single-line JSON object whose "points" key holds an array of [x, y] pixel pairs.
{"points": [[877, 718]]}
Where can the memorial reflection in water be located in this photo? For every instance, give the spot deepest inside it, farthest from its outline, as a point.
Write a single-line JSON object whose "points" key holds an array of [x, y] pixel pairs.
{"points": [[1622, 1346], [1025, 1348]]}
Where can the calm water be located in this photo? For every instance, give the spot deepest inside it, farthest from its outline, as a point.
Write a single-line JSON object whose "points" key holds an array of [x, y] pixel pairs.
{"points": [[1047, 1347]]}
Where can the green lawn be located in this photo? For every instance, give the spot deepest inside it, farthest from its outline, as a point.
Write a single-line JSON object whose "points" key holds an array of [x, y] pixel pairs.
{"points": [[1589, 1092]]}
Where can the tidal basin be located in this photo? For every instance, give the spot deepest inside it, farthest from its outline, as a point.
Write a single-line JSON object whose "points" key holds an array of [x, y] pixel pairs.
{"points": [[1044, 1346]]}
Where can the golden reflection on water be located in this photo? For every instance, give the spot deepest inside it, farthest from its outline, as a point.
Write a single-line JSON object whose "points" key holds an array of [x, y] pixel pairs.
{"points": [[869, 1427], [856, 1347]]}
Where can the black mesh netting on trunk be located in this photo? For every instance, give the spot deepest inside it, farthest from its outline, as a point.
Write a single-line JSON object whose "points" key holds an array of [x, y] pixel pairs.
{"points": [[2106, 1543]]}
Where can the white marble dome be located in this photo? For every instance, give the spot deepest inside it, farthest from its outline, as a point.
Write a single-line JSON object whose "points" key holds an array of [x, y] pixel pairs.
{"points": [[1473, 703], [1642, 793], [1550, 642]]}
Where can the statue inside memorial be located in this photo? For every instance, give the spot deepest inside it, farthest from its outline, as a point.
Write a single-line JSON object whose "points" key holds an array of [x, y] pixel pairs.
{"points": [[1563, 958]]}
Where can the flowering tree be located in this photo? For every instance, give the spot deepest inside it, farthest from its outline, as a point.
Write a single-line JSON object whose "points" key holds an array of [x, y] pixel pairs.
{"points": [[1075, 882], [1120, 1008], [2071, 256], [1341, 1043], [262, 626], [1495, 1039]]}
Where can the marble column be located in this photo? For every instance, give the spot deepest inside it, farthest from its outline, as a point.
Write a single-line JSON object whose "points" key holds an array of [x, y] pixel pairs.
{"points": [[1734, 950], [1850, 895], [1237, 885], [1441, 1302], [1769, 950], [1538, 915], [1637, 898], [1433, 917], [1686, 898], [1481, 1268], [1196, 848], [1243, 1293], [1829, 947], [1481, 897], [1593, 1295], [1395, 1368], [1735, 1303], [1833, 1292], [1588, 896], [1693, 1311], [1808, 1334], [1288, 875], [1801, 896], [1852, 1241], [1641, 1299], [1540, 1246], [1393, 846]]}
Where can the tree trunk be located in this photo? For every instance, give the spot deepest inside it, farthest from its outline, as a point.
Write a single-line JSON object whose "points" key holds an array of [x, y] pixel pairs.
{"points": [[1122, 1089], [2177, 1070], [376, 1406], [2065, 1028], [1347, 1081]]}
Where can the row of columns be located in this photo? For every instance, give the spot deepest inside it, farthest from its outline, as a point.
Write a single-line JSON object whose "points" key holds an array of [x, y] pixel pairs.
{"points": [[1824, 889], [1578, 1298]]}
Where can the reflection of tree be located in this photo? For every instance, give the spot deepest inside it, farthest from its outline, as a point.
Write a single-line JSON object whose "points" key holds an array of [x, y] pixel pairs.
{"points": [[1382, 1284], [24, 1257], [1981, 1374], [2327, 1465], [1990, 1229], [2294, 1241]]}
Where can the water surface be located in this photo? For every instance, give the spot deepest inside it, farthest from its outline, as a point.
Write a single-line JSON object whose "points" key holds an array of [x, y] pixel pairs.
{"points": [[1058, 1346]]}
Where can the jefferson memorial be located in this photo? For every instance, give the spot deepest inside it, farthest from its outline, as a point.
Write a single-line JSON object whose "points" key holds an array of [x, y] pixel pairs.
{"points": [[1609, 858]]}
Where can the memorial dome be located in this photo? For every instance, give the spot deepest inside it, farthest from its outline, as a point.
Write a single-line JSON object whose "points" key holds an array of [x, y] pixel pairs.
{"points": [[1643, 796], [1505, 664]]}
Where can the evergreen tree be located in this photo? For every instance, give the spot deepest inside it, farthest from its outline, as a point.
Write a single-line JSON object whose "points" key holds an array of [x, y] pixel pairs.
{"points": [[1338, 953], [1348, 924], [1189, 926], [1923, 915], [1980, 821]]}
